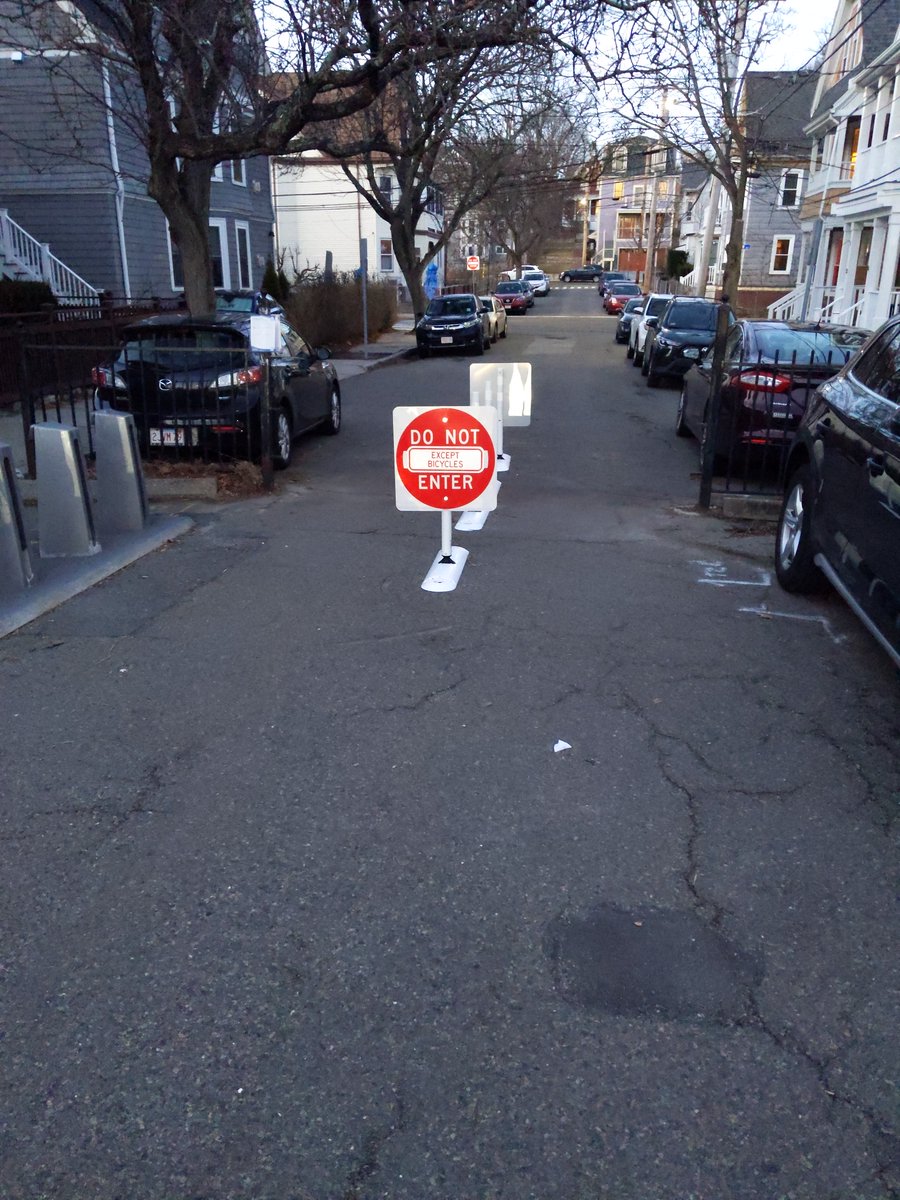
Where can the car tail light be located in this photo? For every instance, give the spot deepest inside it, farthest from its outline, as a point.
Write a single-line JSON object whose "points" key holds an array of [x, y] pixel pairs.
{"points": [[106, 377], [763, 381], [238, 378]]}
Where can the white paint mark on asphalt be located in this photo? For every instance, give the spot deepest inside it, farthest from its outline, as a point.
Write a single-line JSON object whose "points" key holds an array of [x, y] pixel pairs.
{"points": [[763, 611], [716, 573], [561, 745]]}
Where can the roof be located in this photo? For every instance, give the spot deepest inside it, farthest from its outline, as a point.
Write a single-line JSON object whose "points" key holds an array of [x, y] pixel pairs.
{"points": [[776, 107], [879, 28]]}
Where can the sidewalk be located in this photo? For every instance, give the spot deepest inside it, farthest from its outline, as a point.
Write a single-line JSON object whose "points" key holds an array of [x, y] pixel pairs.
{"points": [[57, 580]]}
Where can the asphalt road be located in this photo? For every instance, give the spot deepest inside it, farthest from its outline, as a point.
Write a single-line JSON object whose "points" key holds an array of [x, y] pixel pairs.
{"points": [[300, 902]]}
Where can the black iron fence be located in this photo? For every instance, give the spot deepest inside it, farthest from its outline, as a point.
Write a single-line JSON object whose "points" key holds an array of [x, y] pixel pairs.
{"points": [[194, 399]]}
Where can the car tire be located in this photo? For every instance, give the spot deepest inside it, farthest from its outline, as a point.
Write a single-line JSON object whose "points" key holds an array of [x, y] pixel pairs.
{"points": [[282, 440], [637, 358], [653, 379], [629, 353], [479, 346], [794, 549], [332, 424], [645, 363], [566, 277], [423, 352], [681, 429]]}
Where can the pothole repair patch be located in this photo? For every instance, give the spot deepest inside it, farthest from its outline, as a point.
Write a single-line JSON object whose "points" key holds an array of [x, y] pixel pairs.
{"points": [[656, 962]]}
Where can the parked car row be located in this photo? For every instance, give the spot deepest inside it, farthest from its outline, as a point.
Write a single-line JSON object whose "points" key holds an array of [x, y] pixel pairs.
{"points": [[827, 399]]}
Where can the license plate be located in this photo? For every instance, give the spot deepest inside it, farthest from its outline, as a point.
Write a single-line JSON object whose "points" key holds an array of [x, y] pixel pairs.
{"points": [[692, 352], [173, 437], [446, 341]]}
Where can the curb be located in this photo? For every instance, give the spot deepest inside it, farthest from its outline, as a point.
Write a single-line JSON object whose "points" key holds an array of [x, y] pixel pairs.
{"points": [[760, 508], [68, 577]]}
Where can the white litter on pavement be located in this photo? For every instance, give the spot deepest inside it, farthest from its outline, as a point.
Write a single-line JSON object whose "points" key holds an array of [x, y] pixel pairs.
{"points": [[561, 745]]}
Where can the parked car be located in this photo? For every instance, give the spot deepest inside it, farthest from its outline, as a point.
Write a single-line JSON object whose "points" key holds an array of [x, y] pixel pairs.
{"points": [[608, 277], [195, 385], [654, 306], [452, 323], [770, 368], [514, 274], [497, 317], [581, 274], [618, 296], [540, 283], [679, 337], [632, 312], [514, 295], [245, 300], [840, 517]]}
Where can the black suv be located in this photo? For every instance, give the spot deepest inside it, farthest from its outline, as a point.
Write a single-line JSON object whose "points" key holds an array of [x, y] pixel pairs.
{"points": [[679, 338], [840, 517]]}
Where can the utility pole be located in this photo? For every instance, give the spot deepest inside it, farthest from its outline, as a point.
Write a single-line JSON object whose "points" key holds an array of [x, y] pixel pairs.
{"points": [[650, 267], [585, 218]]}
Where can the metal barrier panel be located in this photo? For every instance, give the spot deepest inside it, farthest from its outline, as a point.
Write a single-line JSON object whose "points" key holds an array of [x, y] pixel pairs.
{"points": [[15, 562], [65, 517], [121, 495]]}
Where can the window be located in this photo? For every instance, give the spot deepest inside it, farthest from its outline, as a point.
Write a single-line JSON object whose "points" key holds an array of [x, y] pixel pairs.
{"points": [[386, 187], [879, 368], [887, 126], [242, 232], [620, 159], [637, 194], [662, 187], [387, 255], [851, 147], [630, 226], [789, 195], [238, 172], [218, 253], [782, 254], [871, 134], [618, 189]]}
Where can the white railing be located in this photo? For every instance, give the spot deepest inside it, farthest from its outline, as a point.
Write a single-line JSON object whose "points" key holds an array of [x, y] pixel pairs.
{"points": [[34, 259], [688, 281], [787, 307], [821, 306], [895, 304]]}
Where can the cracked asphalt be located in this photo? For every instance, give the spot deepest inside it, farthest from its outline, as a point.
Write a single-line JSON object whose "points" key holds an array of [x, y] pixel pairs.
{"points": [[299, 903]]}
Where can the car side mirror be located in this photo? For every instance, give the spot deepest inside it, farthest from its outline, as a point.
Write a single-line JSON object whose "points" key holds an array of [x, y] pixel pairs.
{"points": [[652, 322], [323, 354], [638, 312]]}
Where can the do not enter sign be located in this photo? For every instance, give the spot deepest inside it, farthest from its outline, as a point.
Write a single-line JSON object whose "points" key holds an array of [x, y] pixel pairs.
{"points": [[445, 458]]}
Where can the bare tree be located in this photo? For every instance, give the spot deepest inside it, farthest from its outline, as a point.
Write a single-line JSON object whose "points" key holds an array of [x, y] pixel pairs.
{"points": [[190, 78], [699, 51]]}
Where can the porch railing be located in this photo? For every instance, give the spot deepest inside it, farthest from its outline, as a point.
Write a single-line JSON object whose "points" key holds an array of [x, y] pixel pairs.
{"points": [[34, 259]]}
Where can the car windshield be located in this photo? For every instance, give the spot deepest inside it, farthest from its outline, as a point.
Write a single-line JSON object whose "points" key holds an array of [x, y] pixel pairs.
{"points": [[625, 289], [635, 305], [509, 286], [656, 306], [451, 306], [802, 345], [187, 349], [692, 316], [229, 302]]}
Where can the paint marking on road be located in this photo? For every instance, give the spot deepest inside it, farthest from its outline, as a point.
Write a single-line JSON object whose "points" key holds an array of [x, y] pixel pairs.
{"points": [[716, 574], [763, 611]]}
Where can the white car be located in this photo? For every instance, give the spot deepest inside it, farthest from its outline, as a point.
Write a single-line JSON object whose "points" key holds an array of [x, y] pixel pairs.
{"points": [[654, 306], [540, 283]]}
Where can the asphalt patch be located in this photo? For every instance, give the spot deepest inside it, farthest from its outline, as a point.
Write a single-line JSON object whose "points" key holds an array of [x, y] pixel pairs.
{"points": [[655, 962]]}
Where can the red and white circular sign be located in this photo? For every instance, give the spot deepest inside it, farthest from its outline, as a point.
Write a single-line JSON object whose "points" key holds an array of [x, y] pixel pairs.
{"points": [[445, 457], [473, 262]]}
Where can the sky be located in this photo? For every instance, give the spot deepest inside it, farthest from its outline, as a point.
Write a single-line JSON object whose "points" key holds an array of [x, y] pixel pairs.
{"points": [[807, 24]]}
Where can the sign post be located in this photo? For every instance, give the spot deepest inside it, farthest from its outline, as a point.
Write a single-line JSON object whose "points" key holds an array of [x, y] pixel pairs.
{"points": [[445, 458]]}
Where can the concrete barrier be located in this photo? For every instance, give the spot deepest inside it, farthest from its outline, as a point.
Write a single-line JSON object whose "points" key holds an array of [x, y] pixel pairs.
{"points": [[15, 562], [65, 515], [121, 495]]}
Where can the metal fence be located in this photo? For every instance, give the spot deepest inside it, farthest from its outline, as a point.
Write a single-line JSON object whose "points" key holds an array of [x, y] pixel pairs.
{"points": [[195, 401]]}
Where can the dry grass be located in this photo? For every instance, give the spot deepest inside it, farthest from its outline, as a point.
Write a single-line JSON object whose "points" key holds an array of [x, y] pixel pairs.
{"points": [[330, 314]]}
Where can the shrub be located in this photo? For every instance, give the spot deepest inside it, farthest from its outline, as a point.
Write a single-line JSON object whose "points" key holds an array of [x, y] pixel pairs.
{"points": [[330, 314], [24, 296]]}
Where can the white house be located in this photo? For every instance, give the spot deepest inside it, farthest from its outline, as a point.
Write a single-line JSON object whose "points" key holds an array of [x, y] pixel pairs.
{"points": [[851, 212], [317, 210]]}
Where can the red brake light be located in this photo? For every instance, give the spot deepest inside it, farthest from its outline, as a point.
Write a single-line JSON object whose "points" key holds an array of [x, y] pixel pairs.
{"points": [[763, 381], [249, 375]]}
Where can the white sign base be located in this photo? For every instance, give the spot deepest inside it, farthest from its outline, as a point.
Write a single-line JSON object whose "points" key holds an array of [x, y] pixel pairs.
{"points": [[502, 462], [444, 576], [473, 519]]}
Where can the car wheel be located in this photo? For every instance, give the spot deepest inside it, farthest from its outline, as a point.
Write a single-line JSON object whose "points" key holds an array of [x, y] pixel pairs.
{"points": [[333, 420], [629, 353], [566, 278], [794, 550], [652, 377], [423, 352], [479, 345], [637, 358], [283, 440], [503, 330], [645, 363], [681, 429]]}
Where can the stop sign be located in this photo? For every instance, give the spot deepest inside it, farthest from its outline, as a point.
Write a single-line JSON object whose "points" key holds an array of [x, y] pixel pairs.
{"points": [[445, 458], [473, 262]]}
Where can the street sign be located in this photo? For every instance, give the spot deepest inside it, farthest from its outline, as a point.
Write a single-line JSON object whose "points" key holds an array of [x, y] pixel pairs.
{"points": [[504, 386], [445, 458], [473, 262]]}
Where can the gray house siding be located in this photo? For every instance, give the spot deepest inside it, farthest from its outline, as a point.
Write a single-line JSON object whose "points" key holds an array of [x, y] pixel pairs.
{"points": [[80, 229], [766, 221]]}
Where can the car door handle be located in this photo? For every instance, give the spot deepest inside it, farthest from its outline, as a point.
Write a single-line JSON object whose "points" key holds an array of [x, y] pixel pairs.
{"points": [[824, 426], [875, 463]]}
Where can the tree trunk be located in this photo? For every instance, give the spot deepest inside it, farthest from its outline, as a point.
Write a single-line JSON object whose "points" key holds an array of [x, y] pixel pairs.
{"points": [[404, 244], [183, 195], [731, 275]]}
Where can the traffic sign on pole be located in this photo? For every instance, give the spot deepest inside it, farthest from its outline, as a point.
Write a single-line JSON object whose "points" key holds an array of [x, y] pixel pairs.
{"points": [[473, 262], [445, 458]]}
